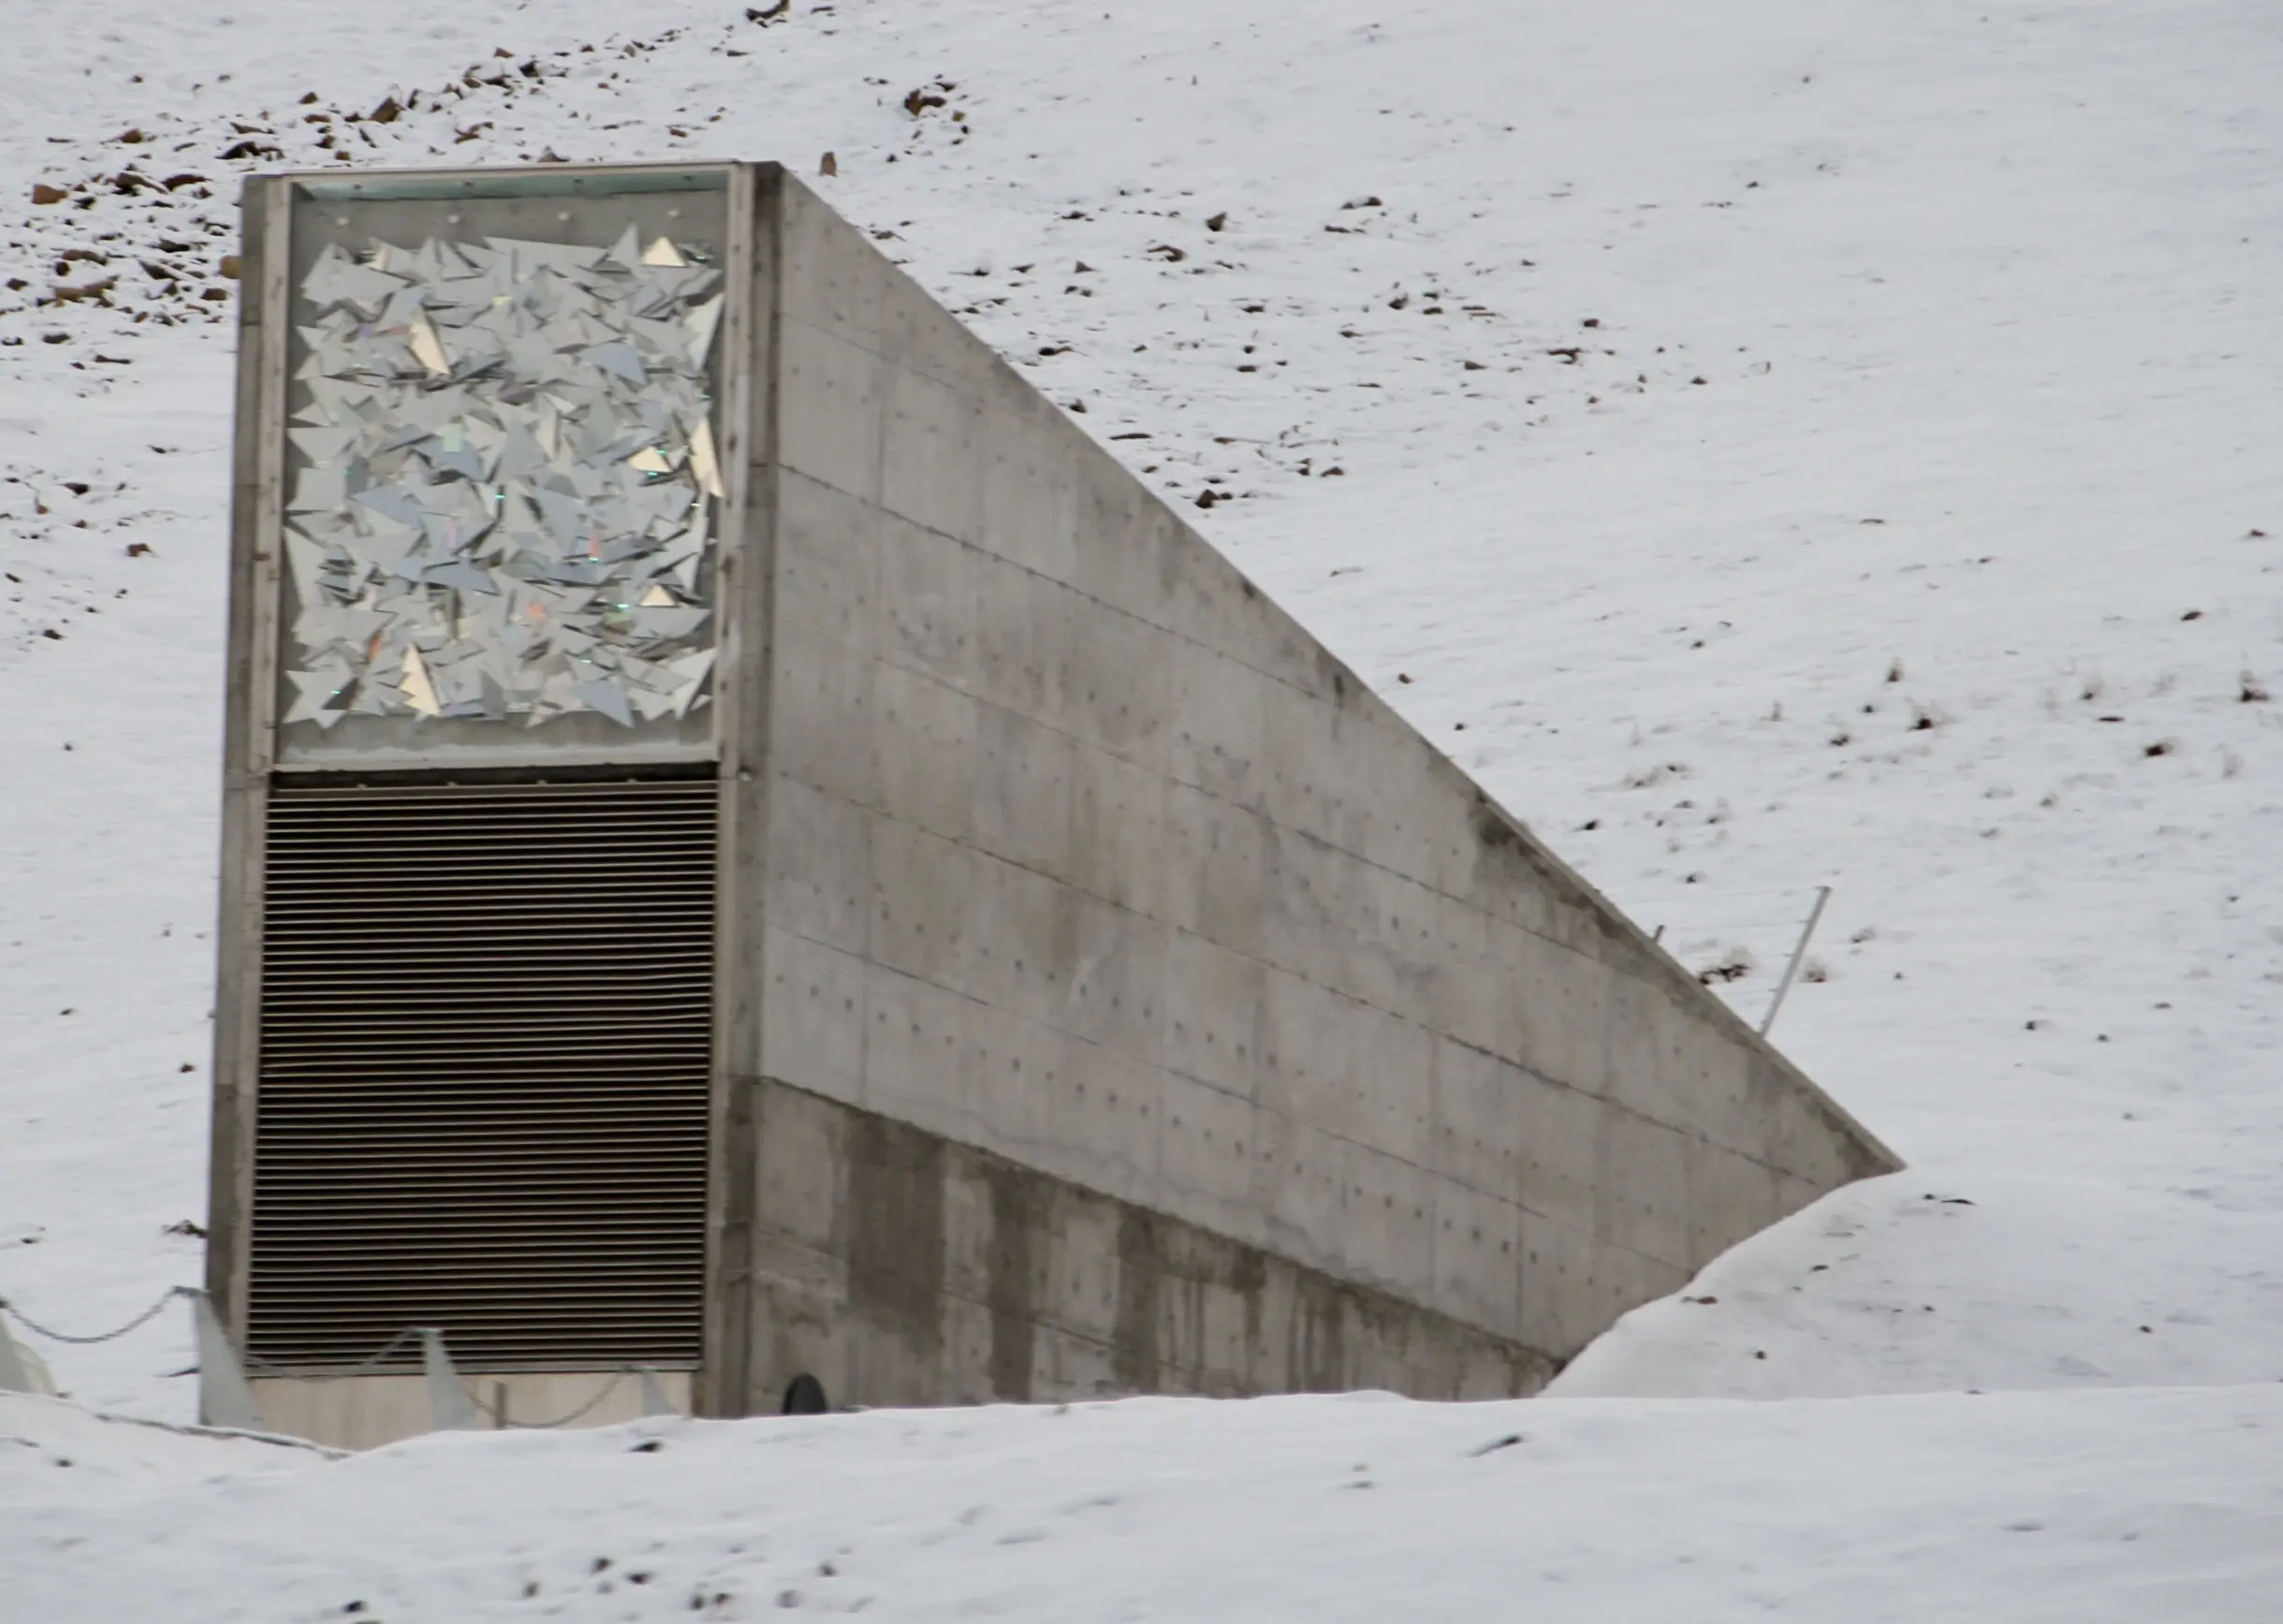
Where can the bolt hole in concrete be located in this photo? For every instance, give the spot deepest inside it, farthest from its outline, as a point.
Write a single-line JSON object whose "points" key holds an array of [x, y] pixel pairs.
{"points": [[805, 1395]]}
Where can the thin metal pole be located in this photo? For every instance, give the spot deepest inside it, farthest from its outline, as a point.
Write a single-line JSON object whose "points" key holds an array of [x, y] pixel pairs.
{"points": [[1822, 895]]}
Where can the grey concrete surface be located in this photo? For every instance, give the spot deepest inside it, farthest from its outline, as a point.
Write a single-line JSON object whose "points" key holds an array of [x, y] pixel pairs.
{"points": [[1084, 855], [899, 1267], [1112, 992]]}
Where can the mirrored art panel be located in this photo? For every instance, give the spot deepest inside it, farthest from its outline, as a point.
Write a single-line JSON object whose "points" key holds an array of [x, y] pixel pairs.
{"points": [[503, 484]]}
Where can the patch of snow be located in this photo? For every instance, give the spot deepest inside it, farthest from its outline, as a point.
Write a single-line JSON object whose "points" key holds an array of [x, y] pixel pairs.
{"points": [[2088, 1507]]}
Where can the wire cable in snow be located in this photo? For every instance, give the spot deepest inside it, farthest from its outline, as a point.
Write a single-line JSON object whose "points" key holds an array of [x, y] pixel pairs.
{"points": [[135, 1323], [364, 1367], [584, 1409]]}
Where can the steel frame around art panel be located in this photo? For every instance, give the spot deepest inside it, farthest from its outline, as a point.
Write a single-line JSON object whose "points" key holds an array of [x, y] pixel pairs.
{"points": [[504, 487]]}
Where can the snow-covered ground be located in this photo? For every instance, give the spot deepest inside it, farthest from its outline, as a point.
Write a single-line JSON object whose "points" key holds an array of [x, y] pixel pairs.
{"points": [[2096, 1508], [1772, 445]]}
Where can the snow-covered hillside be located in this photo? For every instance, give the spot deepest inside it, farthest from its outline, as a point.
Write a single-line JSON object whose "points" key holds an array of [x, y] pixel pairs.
{"points": [[1771, 445]]}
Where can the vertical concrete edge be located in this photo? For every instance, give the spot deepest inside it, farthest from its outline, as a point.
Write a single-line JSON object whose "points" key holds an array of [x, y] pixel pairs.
{"points": [[747, 589], [264, 255]]}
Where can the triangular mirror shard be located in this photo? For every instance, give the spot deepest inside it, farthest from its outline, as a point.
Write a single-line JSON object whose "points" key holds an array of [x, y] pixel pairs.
{"points": [[900, 869]]}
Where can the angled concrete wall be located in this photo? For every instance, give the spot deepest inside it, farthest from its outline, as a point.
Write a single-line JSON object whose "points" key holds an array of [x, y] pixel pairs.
{"points": [[1082, 858]]}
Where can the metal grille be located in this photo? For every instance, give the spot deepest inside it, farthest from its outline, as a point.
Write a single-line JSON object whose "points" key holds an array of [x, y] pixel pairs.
{"points": [[486, 1034]]}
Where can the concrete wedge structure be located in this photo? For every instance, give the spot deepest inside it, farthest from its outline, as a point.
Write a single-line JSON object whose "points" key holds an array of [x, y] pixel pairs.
{"points": [[1103, 991]]}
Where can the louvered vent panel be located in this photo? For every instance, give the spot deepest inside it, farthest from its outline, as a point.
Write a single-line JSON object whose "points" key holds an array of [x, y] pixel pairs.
{"points": [[485, 1028]]}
